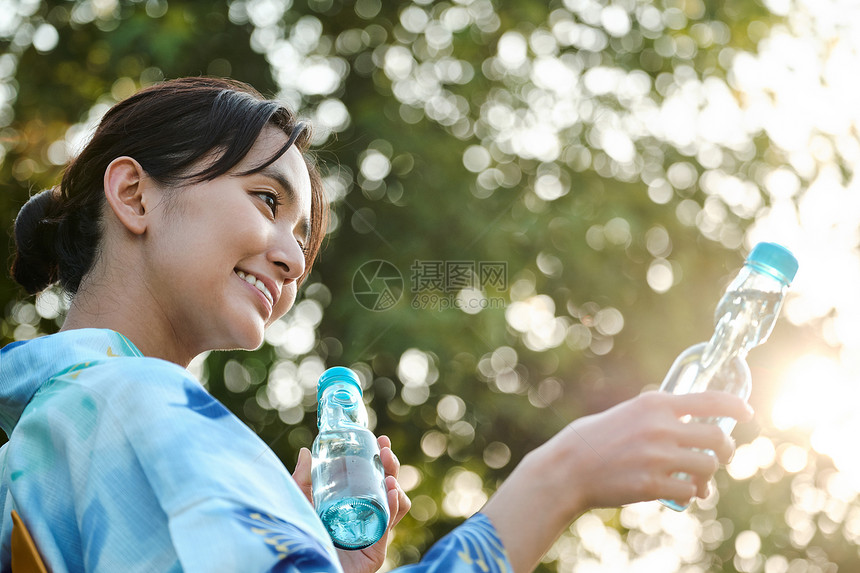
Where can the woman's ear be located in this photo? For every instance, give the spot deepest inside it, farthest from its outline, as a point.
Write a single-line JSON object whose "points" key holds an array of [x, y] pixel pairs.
{"points": [[128, 192]]}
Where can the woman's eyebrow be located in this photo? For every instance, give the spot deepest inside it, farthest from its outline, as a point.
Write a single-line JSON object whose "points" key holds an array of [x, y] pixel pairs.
{"points": [[282, 181]]}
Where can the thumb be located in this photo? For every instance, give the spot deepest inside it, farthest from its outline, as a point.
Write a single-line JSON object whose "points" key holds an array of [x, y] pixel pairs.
{"points": [[302, 473]]}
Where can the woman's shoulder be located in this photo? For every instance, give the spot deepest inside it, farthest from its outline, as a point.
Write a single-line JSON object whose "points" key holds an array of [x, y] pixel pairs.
{"points": [[139, 369], [139, 384], [122, 373]]}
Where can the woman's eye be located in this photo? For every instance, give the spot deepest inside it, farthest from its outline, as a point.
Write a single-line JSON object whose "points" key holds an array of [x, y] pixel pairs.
{"points": [[270, 199]]}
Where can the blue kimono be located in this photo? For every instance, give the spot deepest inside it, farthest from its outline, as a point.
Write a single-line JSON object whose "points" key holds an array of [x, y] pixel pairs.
{"points": [[120, 463]]}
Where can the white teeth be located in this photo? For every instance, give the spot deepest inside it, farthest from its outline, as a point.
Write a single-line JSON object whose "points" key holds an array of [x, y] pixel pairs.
{"points": [[252, 280]]}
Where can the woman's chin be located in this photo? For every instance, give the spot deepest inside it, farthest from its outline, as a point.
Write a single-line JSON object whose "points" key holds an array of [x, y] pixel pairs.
{"points": [[252, 343], [248, 338]]}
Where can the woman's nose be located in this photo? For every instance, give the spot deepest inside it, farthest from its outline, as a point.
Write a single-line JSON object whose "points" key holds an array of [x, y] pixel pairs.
{"points": [[288, 257]]}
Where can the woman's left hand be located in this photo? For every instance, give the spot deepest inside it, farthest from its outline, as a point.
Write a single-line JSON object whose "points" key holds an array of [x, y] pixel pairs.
{"points": [[369, 559]]}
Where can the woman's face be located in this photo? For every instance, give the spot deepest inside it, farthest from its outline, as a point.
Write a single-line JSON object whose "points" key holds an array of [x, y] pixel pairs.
{"points": [[225, 254]]}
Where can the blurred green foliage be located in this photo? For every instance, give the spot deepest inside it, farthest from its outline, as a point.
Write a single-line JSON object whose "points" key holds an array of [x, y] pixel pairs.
{"points": [[418, 177]]}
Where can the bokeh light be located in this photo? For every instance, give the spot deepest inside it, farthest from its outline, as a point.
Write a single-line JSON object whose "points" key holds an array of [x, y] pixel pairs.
{"points": [[738, 133]]}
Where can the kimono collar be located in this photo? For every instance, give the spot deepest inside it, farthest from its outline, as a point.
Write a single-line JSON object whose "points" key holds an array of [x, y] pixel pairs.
{"points": [[27, 364]]}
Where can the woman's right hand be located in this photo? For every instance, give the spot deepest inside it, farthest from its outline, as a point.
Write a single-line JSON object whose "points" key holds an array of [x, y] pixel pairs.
{"points": [[628, 453], [634, 451]]}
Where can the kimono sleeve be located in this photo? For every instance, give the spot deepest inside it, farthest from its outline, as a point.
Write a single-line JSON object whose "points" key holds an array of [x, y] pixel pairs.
{"points": [[473, 547], [229, 502]]}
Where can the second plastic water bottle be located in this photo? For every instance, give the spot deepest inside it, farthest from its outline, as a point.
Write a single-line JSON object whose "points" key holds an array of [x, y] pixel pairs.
{"points": [[744, 318], [348, 479]]}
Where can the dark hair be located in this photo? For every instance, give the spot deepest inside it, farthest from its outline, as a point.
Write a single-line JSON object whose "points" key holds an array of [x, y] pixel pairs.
{"points": [[167, 128]]}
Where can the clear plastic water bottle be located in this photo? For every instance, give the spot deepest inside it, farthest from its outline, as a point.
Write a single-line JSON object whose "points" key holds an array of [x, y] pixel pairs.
{"points": [[348, 479], [744, 318]]}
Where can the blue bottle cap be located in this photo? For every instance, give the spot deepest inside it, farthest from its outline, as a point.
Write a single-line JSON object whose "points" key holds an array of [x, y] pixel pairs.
{"points": [[775, 260], [337, 374]]}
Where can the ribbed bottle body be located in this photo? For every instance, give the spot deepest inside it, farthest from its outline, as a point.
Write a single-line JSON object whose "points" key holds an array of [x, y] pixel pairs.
{"points": [[744, 318], [348, 479]]}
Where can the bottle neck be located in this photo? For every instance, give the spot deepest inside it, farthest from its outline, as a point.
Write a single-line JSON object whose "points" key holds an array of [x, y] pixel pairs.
{"points": [[341, 406], [746, 314]]}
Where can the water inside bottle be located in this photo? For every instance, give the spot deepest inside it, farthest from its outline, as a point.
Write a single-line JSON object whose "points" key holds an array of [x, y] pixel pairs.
{"points": [[350, 489], [744, 319], [355, 523]]}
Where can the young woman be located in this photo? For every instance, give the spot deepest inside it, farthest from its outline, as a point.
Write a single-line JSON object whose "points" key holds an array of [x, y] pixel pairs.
{"points": [[186, 225]]}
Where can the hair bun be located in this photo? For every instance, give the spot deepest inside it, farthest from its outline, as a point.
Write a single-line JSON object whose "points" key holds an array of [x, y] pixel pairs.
{"points": [[35, 266]]}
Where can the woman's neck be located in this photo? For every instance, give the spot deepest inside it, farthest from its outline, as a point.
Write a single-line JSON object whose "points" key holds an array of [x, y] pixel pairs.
{"points": [[98, 306]]}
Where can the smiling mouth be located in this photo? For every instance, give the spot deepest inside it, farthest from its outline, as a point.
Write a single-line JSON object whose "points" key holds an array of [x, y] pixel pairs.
{"points": [[255, 282]]}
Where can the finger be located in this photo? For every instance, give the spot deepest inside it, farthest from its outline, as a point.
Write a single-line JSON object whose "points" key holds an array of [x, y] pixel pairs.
{"points": [[703, 486], [677, 488], [707, 437], [398, 502], [393, 500], [390, 463], [302, 473], [711, 404], [705, 489], [383, 441], [699, 464]]}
